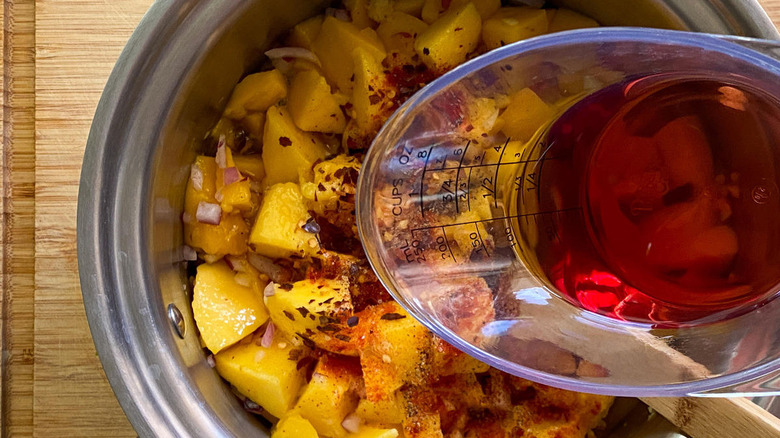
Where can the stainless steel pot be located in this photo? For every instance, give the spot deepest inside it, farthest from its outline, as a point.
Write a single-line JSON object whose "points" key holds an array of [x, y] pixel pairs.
{"points": [[167, 89]]}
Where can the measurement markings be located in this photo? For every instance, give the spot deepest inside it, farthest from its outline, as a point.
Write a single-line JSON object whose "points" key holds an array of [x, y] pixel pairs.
{"points": [[498, 166], [447, 241], [512, 216], [482, 241], [457, 176], [422, 182]]}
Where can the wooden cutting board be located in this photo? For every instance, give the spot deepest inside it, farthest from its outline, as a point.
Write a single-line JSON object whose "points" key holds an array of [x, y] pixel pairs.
{"points": [[57, 55]]}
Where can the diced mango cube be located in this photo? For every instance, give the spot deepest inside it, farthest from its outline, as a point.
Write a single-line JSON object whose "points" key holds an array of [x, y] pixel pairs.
{"points": [[447, 41], [268, 376], [386, 412], [312, 106], [228, 237], [330, 395], [302, 308], [256, 93], [333, 179], [237, 196], [305, 32], [486, 8], [423, 426], [358, 12], [373, 432], [566, 19], [250, 166], [371, 101], [334, 46], [511, 24], [525, 114], [224, 310], [398, 32], [277, 231], [432, 10], [286, 149], [411, 7], [393, 350], [206, 168], [294, 426]]}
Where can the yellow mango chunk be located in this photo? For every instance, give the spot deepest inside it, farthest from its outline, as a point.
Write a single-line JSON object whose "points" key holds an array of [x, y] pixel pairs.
{"points": [[294, 426], [358, 12], [393, 351], [423, 426], [301, 309], [371, 102], [268, 376], [237, 196], [512, 24], [332, 179], [334, 46], [256, 93], [525, 114], [433, 9], [411, 7], [397, 33], [224, 310], [229, 237], [448, 360], [277, 230], [386, 412], [447, 41], [250, 166], [286, 149], [373, 432], [330, 395], [305, 32], [312, 106], [566, 19]]}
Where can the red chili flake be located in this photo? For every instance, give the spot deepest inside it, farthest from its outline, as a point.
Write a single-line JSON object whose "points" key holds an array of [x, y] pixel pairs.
{"points": [[341, 337], [469, 128], [404, 34], [286, 286], [304, 362], [284, 141], [457, 29], [374, 99], [289, 315], [303, 311]]}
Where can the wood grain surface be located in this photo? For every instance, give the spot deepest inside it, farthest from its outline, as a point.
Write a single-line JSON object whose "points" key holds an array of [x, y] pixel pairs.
{"points": [[57, 55]]}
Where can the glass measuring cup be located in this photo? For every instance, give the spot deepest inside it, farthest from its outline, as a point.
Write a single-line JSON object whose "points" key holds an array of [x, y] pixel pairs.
{"points": [[459, 220]]}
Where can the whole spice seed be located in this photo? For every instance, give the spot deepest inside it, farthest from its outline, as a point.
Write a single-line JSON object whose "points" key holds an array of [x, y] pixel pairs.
{"points": [[392, 316], [352, 321], [311, 226]]}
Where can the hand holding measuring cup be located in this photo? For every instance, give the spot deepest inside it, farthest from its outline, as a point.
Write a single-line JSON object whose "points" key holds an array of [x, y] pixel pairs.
{"points": [[596, 210]]}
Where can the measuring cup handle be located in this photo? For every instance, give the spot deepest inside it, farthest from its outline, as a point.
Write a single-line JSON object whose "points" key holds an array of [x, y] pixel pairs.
{"points": [[769, 48]]}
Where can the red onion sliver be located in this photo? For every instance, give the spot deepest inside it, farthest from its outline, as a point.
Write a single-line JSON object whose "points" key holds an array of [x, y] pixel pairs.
{"points": [[186, 218], [196, 176], [235, 263], [209, 213], [270, 289], [231, 175], [268, 336], [351, 423], [188, 253], [242, 279], [289, 53], [211, 361], [221, 157], [339, 14], [265, 266]]}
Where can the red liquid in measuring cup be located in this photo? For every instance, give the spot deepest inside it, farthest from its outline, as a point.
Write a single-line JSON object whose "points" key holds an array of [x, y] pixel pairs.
{"points": [[677, 178]]}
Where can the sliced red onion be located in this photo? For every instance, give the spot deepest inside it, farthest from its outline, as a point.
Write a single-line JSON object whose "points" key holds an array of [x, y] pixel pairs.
{"points": [[235, 263], [242, 280], [351, 423], [209, 213], [219, 196], [339, 14], [231, 175], [188, 253], [221, 157], [253, 407], [266, 266], [211, 361], [270, 290], [186, 218], [268, 336], [288, 54], [196, 176]]}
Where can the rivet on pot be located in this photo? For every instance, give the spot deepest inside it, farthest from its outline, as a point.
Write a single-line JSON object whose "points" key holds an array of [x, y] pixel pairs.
{"points": [[177, 320]]}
